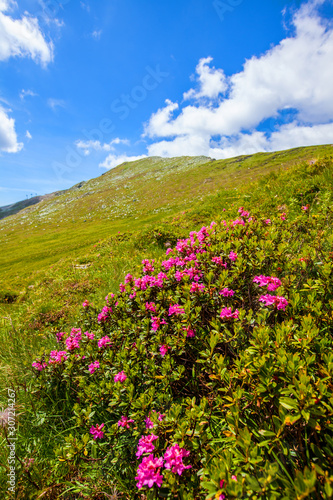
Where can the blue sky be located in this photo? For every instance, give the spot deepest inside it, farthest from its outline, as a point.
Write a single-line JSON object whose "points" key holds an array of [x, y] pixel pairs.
{"points": [[87, 85]]}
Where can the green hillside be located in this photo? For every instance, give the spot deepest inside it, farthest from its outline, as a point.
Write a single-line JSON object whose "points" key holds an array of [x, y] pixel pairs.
{"points": [[247, 389]]}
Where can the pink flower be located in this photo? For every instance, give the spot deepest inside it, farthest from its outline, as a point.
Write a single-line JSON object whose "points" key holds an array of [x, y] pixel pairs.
{"points": [[271, 282], [147, 266], [218, 260], [89, 336], [94, 366], [283, 216], [233, 256], [104, 315], [176, 309], [270, 300], [267, 221], [174, 459], [120, 377], [149, 423], [189, 331], [149, 472], [160, 416], [128, 278], [104, 341], [226, 292], [125, 421], [122, 287], [73, 341], [97, 432], [86, 303], [39, 366], [57, 357], [164, 350], [156, 322], [196, 287], [59, 336], [234, 478], [227, 313], [150, 306], [305, 208], [146, 445]]}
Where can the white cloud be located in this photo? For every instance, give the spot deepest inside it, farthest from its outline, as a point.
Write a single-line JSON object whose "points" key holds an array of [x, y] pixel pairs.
{"points": [[28, 92], [112, 161], [212, 82], [55, 103], [28, 135], [22, 37], [97, 34], [8, 137], [88, 146], [296, 74]]}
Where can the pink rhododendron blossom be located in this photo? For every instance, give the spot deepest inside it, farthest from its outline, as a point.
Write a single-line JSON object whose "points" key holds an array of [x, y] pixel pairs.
{"points": [[305, 208], [97, 432], [174, 459], [94, 366], [57, 357], [128, 278], [149, 472], [125, 421], [237, 222], [189, 332], [267, 221], [164, 350], [132, 295], [197, 287], [59, 336], [270, 300], [149, 423], [122, 287], [104, 341], [218, 260], [150, 306], [104, 315], [157, 322], [176, 310], [120, 377], [283, 216], [39, 366], [148, 266], [271, 282], [146, 445], [227, 313], [226, 292], [86, 303], [234, 478], [89, 336], [233, 256]]}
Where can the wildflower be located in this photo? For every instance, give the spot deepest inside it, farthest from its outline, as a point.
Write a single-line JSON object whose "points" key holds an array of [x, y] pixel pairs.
{"points": [[227, 313], [97, 432], [283, 216], [218, 260], [57, 357], [226, 292], [196, 287], [148, 267], [271, 282], [189, 332], [149, 472], [120, 377], [128, 278], [150, 306], [86, 303], [174, 459], [146, 445], [305, 208], [270, 300], [164, 350], [104, 314], [176, 309], [122, 287], [156, 322], [59, 336], [89, 336], [149, 423], [160, 416], [39, 366], [94, 366], [104, 341], [233, 256], [125, 421], [267, 221]]}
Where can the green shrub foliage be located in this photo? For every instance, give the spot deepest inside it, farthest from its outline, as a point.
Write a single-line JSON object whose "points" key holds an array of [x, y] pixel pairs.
{"points": [[209, 375]]}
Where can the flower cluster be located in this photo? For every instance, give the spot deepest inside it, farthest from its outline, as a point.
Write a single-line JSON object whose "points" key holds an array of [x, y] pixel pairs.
{"points": [[273, 300], [271, 282]]}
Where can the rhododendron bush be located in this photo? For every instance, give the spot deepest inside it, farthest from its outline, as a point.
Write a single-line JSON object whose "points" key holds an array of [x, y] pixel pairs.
{"points": [[209, 374]]}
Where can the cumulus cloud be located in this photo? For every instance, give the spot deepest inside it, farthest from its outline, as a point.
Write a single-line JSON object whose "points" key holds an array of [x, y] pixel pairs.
{"points": [[22, 37], [296, 74], [8, 137], [88, 146], [112, 160]]}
